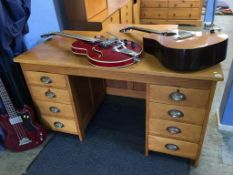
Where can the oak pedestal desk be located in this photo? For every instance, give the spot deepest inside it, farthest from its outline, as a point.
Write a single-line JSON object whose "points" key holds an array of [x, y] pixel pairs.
{"points": [[67, 90]]}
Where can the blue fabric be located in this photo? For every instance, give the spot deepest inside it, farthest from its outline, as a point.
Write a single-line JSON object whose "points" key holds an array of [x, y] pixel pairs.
{"points": [[114, 145], [1, 139]]}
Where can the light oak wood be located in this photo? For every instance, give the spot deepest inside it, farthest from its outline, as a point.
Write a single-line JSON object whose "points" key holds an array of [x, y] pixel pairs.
{"points": [[194, 97], [113, 19], [154, 13], [126, 13], [192, 115], [185, 3], [184, 13], [188, 132], [44, 108], [186, 149], [154, 3], [39, 93], [34, 78], [136, 12], [126, 92], [69, 124], [93, 7], [168, 21]]}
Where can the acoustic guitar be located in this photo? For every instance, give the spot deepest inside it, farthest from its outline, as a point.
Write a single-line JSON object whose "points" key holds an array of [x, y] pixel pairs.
{"points": [[104, 52], [21, 130], [184, 50]]}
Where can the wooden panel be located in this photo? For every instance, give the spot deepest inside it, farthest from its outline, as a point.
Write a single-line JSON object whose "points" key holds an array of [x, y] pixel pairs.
{"points": [[69, 125], [188, 132], [93, 7], [193, 97], [116, 84], [186, 149], [39, 93], [44, 107], [114, 19], [191, 114], [126, 93], [184, 3], [184, 13], [127, 13], [154, 13], [136, 12], [154, 3], [35, 78], [139, 86]]}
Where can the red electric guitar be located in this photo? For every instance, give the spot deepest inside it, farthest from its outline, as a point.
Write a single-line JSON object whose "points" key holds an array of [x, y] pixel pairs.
{"points": [[21, 131], [104, 52]]}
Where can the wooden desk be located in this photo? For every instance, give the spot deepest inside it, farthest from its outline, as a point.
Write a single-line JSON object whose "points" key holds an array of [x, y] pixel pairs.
{"points": [[67, 90]]}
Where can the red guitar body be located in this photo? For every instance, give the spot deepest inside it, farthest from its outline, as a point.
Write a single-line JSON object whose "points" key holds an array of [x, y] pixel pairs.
{"points": [[107, 57], [31, 133]]}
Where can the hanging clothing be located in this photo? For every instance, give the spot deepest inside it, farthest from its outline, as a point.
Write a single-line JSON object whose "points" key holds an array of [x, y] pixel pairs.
{"points": [[13, 26]]}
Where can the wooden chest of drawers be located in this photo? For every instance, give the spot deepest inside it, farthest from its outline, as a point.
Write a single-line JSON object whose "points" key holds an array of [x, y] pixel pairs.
{"points": [[171, 11]]}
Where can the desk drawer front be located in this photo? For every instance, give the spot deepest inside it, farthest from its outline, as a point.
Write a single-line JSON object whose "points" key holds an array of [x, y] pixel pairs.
{"points": [[154, 13], [50, 94], [55, 109], [62, 125], [184, 13], [175, 130], [173, 147], [177, 113], [184, 3], [45, 79], [154, 3], [179, 96], [114, 19]]}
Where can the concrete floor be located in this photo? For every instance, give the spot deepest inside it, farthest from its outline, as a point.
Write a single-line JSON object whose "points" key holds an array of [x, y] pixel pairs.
{"points": [[212, 161]]}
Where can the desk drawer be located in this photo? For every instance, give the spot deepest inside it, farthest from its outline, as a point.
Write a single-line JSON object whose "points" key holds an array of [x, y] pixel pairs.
{"points": [[184, 13], [114, 19], [154, 3], [54, 109], [154, 13], [175, 130], [184, 3], [173, 147], [50, 94], [45, 79], [177, 113], [58, 124], [179, 96]]}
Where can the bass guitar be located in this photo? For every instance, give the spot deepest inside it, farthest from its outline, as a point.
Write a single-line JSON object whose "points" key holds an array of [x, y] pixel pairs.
{"points": [[104, 52], [21, 130], [184, 50]]}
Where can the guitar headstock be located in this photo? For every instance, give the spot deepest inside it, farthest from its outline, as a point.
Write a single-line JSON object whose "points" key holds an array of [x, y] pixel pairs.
{"points": [[125, 30], [49, 34]]}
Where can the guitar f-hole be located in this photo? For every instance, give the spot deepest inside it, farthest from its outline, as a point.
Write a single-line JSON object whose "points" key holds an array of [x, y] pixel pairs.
{"points": [[100, 54]]}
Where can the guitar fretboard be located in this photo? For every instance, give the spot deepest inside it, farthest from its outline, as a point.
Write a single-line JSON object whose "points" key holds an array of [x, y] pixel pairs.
{"points": [[7, 101]]}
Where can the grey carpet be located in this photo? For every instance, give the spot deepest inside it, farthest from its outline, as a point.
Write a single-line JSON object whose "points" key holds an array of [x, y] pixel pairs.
{"points": [[114, 145]]}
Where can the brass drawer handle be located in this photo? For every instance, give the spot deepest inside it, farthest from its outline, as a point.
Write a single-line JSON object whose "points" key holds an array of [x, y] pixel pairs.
{"points": [[58, 125], [54, 109], [46, 80], [172, 147], [50, 94], [173, 130], [177, 96], [173, 113]]}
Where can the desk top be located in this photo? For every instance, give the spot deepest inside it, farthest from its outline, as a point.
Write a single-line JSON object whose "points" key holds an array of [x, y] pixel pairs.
{"points": [[56, 53]]}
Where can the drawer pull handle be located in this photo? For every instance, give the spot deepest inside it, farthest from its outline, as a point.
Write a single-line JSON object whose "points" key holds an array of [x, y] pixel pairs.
{"points": [[172, 147], [191, 5], [54, 109], [174, 14], [58, 125], [177, 96], [111, 19], [175, 5], [46, 80], [190, 14], [173, 130], [173, 113], [50, 94]]}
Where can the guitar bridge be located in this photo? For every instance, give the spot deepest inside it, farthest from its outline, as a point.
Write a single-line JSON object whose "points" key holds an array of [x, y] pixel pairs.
{"points": [[24, 141]]}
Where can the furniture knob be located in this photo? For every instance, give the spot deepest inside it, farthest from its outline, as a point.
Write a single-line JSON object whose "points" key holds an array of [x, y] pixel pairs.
{"points": [[159, 5], [177, 96], [127, 21], [111, 19], [172, 147], [50, 94], [54, 109], [190, 14], [127, 6], [126, 13], [175, 5], [173, 130], [191, 5], [174, 14], [46, 80], [159, 14], [58, 125], [173, 113]]}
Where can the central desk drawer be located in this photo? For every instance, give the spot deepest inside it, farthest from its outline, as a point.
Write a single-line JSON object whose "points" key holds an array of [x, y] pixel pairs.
{"points": [[175, 130], [173, 147], [45, 79], [50, 94], [177, 113], [55, 109], [154, 3], [62, 125], [179, 96], [154, 13]]}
